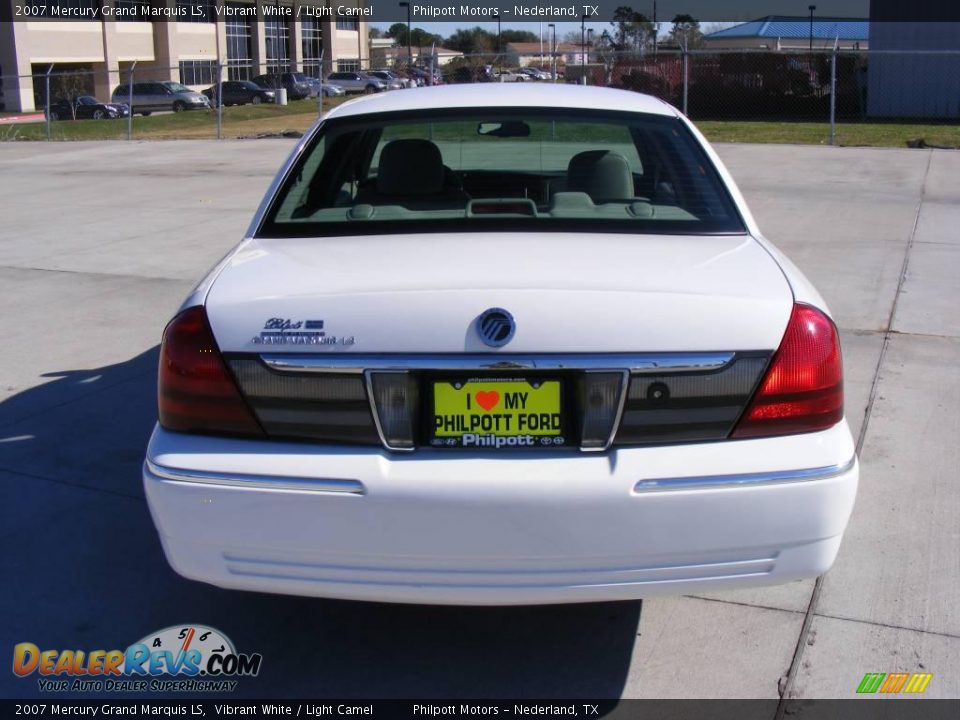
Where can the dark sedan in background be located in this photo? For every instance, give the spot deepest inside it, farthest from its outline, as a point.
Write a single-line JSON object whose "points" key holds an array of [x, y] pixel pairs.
{"points": [[297, 85], [86, 107], [240, 92]]}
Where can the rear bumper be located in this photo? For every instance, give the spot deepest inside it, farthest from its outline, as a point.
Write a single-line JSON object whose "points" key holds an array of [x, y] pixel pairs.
{"points": [[507, 528]]}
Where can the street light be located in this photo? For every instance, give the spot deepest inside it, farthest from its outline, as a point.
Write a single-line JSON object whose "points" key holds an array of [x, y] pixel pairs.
{"points": [[409, 33], [811, 8], [583, 42], [499, 61], [553, 50], [588, 49]]}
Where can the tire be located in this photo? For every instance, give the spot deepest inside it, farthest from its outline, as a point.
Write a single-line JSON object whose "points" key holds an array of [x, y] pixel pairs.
{"points": [[369, 90], [54, 115], [179, 106], [146, 113], [99, 115], [257, 100]]}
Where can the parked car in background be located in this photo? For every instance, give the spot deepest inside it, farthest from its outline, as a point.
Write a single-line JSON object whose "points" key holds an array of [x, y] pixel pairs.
{"points": [[239, 92], [331, 90], [393, 79], [86, 107], [422, 76], [634, 393], [297, 85], [392, 82], [151, 97], [357, 82], [535, 73], [509, 76]]}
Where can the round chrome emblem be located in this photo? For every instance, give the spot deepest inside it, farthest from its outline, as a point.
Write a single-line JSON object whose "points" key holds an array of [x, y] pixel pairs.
{"points": [[496, 327]]}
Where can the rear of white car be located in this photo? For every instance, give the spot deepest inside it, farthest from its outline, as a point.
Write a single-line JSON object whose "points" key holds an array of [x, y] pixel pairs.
{"points": [[424, 378]]}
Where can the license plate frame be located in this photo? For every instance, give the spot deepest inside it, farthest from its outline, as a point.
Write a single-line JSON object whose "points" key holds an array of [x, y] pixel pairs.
{"points": [[547, 395]]}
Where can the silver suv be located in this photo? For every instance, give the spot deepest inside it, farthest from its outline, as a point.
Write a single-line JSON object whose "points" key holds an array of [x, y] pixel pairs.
{"points": [[357, 82], [149, 97]]}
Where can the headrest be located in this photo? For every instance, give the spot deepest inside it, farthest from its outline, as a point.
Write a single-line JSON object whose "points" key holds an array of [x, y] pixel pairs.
{"points": [[602, 174], [410, 167]]}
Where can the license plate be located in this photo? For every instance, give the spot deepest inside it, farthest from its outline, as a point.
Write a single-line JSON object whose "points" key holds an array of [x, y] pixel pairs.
{"points": [[499, 413]]}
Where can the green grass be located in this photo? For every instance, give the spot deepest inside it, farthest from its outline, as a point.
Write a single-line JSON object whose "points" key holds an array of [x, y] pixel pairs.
{"points": [[879, 134], [241, 121], [251, 120]]}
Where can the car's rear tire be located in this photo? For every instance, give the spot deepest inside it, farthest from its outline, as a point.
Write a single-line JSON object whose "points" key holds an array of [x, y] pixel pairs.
{"points": [[257, 100], [146, 113], [179, 106], [99, 115], [369, 90], [54, 115]]}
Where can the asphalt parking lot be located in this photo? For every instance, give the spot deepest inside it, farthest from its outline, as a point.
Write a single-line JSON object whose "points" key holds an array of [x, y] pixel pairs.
{"points": [[99, 243]]}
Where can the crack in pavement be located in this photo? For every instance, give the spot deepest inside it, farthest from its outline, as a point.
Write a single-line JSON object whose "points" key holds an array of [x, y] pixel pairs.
{"points": [[786, 687]]}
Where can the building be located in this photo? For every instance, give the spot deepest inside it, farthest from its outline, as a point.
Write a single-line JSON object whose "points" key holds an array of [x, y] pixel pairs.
{"points": [[913, 69], [783, 32], [187, 49]]}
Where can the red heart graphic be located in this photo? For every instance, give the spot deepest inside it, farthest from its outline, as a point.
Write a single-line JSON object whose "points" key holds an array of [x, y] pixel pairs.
{"points": [[487, 399]]}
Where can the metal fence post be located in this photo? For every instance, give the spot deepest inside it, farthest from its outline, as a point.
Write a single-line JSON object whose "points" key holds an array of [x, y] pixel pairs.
{"points": [[320, 94], [833, 95], [218, 94], [130, 101], [46, 100], [686, 79]]}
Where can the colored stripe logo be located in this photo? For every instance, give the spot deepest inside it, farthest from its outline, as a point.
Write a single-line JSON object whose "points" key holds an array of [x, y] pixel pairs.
{"points": [[893, 683]]}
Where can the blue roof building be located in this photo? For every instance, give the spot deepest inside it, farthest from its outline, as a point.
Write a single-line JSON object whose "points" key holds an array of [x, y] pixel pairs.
{"points": [[784, 32]]}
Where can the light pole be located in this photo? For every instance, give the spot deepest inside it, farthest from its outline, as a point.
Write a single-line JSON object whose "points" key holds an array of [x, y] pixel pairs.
{"points": [[409, 38], [553, 50], [583, 42], [587, 50], [811, 8], [499, 61]]}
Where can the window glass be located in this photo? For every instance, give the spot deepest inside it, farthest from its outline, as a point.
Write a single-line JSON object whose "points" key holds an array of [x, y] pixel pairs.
{"points": [[473, 169]]}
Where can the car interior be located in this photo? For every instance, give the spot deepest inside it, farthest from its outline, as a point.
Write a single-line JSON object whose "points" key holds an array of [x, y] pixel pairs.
{"points": [[501, 171]]}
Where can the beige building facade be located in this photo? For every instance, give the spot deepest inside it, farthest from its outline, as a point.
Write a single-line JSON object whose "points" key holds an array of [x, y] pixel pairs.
{"points": [[227, 38]]}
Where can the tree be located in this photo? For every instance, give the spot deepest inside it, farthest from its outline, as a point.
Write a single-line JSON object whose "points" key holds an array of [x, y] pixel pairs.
{"points": [[686, 32], [631, 29], [472, 41], [374, 33], [512, 36], [397, 31]]}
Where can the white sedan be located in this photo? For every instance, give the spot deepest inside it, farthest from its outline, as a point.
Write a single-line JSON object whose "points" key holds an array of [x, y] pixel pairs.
{"points": [[514, 348]]}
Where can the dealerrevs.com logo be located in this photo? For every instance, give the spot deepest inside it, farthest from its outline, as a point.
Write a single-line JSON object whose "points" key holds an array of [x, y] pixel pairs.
{"points": [[181, 658]]}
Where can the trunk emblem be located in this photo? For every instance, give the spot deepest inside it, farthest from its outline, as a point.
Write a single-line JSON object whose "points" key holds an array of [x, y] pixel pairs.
{"points": [[496, 327]]}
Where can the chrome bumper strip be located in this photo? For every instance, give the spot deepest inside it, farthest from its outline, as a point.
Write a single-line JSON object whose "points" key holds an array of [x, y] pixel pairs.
{"points": [[776, 477], [634, 362], [260, 482]]}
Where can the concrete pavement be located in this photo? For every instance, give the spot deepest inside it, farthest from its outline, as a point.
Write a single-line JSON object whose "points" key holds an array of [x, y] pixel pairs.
{"points": [[101, 241]]}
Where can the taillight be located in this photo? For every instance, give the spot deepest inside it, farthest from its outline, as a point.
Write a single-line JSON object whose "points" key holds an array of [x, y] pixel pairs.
{"points": [[802, 390], [195, 390]]}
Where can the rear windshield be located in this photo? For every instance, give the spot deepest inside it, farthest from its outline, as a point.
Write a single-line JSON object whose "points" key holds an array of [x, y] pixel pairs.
{"points": [[474, 170]]}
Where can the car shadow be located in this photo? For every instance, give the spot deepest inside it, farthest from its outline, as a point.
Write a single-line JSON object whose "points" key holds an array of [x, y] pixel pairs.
{"points": [[90, 574]]}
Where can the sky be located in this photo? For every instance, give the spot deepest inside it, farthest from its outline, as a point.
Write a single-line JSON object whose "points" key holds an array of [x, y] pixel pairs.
{"points": [[446, 29]]}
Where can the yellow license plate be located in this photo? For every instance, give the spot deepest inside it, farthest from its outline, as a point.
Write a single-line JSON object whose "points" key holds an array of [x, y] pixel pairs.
{"points": [[497, 413]]}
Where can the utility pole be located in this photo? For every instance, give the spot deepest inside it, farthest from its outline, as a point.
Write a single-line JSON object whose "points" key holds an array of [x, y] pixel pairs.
{"points": [[811, 8], [409, 34]]}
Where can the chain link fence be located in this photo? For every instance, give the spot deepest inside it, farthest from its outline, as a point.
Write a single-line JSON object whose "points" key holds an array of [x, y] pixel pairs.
{"points": [[826, 87]]}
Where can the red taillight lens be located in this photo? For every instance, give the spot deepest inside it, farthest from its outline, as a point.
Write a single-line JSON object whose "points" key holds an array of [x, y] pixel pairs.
{"points": [[195, 391], [802, 390]]}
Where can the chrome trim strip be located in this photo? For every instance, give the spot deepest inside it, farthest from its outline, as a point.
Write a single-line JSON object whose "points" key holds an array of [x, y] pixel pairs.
{"points": [[633, 362], [776, 477], [260, 482]]}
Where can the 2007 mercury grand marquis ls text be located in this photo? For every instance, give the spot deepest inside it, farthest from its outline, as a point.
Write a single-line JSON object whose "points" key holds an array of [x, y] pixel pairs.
{"points": [[509, 345]]}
